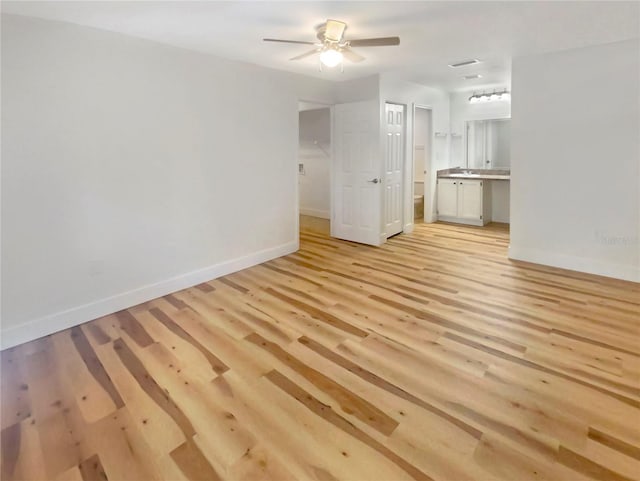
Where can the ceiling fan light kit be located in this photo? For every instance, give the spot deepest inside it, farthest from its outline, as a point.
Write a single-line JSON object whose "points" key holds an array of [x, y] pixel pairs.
{"points": [[330, 57], [333, 48]]}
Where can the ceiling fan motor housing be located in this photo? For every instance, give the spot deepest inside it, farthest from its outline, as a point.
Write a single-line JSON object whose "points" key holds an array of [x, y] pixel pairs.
{"points": [[331, 31]]}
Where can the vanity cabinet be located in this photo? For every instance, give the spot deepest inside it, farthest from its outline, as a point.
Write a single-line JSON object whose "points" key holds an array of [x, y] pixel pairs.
{"points": [[464, 201], [447, 198]]}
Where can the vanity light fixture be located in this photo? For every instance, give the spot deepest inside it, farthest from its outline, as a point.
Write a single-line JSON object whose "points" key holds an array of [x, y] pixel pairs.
{"points": [[489, 97]]}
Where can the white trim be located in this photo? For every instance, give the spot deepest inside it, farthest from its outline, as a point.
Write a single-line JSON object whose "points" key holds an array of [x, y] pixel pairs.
{"points": [[461, 220], [44, 326], [408, 228], [575, 263], [323, 214]]}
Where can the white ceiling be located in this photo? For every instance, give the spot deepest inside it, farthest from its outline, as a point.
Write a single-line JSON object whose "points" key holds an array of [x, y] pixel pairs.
{"points": [[432, 34]]}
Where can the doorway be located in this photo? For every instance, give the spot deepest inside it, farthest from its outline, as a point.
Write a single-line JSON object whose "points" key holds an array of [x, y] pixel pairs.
{"points": [[314, 161], [422, 137], [367, 193]]}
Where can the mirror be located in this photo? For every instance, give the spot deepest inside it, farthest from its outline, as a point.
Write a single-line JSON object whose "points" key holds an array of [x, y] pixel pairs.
{"points": [[488, 144]]}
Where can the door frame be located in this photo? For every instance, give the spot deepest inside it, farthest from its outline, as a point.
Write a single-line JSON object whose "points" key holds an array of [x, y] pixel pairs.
{"points": [[297, 180], [429, 188]]}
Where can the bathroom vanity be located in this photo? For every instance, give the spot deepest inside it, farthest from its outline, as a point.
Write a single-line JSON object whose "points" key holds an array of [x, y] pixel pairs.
{"points": [[478, 193], [464, 195]]}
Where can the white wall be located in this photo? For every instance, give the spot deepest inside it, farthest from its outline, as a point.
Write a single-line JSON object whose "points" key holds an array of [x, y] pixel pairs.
{"points": [[315, 153], [367, 88], [575, 126], [500, 194], [131, 169], [408, 93]]}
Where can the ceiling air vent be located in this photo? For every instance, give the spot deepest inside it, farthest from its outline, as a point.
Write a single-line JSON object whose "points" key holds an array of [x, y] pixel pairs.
{"points": [[464, 63]]}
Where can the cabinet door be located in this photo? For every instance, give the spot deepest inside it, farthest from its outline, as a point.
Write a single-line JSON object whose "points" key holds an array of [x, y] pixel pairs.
{"points": [[470, 199], [447, 197]]}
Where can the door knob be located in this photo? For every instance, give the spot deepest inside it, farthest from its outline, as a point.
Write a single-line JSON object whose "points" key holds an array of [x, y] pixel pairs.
{"points": [[375, 181]]}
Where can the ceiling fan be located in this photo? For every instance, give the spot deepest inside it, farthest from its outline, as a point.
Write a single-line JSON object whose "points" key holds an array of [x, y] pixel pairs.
{"points": [[332, 46]]}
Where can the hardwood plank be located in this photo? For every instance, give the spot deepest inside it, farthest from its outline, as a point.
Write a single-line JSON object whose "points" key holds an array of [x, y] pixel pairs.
{"points": [[327, 413], [614, 443], [193, 464], [124, 454], [91, 469], [150, 386], [16, 403], [584, 465], [94, 365], [133, 328], [318, 314], [386, 385], [216, 364], [349, 403], [523, 362], [10, 439]]}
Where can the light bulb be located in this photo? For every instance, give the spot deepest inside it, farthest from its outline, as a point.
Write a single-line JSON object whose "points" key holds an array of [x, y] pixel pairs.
{"points": [[330, 57]]}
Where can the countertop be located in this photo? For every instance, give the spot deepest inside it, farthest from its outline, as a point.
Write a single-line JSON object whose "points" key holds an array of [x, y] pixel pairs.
{"points": [[482, 174]]}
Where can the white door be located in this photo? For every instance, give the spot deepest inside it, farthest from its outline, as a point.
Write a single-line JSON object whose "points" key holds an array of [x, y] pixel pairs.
{"points": [[393, 168], [356, 186], [470, 199], [447, 197]]}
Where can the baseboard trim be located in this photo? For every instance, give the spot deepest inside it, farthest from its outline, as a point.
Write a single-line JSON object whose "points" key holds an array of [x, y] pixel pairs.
{"points": [[323, 214], [59, 321], [460, 220], [574, 263]]}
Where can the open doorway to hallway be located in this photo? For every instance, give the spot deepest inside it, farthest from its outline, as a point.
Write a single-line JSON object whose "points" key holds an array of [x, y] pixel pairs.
{"points": [[422, 134], [314, 162]]}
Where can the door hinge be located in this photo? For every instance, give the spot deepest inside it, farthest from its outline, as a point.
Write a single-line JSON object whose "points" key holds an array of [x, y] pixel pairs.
{"points": [[481, 217]]}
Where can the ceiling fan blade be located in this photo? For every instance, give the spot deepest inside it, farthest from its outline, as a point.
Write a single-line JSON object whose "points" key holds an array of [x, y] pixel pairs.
{"points": [[351, 55], [306, 54], [287, 41], [375, 42], [334, 30]]}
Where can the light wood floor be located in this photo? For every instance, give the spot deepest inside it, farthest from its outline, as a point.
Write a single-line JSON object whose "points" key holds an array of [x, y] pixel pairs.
{"points": [[432, 357]]}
